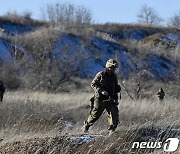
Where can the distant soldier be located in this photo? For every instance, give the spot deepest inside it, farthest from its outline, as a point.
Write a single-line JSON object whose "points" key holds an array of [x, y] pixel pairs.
{"points": [[160, 94], [105, 85], [2, 90]]}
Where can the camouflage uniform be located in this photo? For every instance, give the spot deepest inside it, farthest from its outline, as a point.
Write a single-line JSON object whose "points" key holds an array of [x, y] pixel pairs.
{"points": [[104, 81], [160, 94], [2, 90]]}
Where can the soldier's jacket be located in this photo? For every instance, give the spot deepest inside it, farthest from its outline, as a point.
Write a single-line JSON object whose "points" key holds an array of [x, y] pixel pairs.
{"points": [[108, 82]]}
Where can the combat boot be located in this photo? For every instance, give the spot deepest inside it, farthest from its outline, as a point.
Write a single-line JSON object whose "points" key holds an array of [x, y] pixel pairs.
{"points": [[111, 127], [85, 127]]}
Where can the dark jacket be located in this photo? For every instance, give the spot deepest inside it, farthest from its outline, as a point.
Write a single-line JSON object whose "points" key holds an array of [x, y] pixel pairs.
{"points": [[161, 94], [108, 82]]}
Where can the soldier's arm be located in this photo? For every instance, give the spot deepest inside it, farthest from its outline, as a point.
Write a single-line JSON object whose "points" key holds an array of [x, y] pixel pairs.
{"points": [[158, 94], [96, 85], [117, 90]]}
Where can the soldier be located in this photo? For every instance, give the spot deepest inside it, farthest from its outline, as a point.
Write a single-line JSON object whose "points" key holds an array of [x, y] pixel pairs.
{"points": [[2, 90], [105, 85], [160, 94]]}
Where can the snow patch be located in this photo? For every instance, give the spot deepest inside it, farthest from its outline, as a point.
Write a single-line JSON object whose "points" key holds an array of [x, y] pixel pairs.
{"points": [[14, 29], [90, 60], [133, 34], [7, 55], [162, 68], [107, 50], [4, 52], [171, 39], [83, 139]]}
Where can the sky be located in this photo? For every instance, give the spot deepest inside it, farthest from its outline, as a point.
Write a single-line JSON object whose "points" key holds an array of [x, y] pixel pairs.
{"points": [[114, 11]]}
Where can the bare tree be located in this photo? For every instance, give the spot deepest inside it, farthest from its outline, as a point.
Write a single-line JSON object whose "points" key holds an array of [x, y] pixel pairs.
{"points": [[69, 12], [27, 15], [147, 15], [175, 20], [66, 13], [82, 15], [51, 12]]}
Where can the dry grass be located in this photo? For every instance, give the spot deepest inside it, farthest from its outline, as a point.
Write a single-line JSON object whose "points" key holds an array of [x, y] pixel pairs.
{"points": [[31, 117], [21, 105], [14, 17], [40, 41]]}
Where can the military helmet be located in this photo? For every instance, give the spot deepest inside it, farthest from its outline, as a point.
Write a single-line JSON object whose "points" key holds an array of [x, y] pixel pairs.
{"points": [[111, 63]]}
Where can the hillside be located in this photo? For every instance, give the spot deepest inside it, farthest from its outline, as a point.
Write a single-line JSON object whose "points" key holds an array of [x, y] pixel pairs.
{"points": [[47, 70], [84, 50]]}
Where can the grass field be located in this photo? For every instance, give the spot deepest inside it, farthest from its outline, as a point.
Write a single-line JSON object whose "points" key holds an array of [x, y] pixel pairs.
{"points": [[27, 115]]}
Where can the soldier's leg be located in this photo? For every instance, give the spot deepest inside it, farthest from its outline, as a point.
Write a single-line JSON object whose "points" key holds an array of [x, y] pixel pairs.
{"points": [[95, 113], [113, 116], [1, 97], [92, 105]]}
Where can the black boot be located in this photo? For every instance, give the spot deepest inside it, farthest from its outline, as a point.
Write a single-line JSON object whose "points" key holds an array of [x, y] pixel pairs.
{"points": [[111, 129]]}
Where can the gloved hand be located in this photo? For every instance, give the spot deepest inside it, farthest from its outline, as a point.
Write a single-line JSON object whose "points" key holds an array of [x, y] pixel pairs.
{"points": [[105, 93]]}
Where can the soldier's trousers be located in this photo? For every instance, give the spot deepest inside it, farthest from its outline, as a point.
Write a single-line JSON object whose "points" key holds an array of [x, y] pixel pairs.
{"points": [[98, 109], [1, 96]]}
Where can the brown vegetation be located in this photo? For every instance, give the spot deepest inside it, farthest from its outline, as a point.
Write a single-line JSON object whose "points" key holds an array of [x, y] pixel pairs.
{"points": [[34, 122], [50, 107], [24, 19]]}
